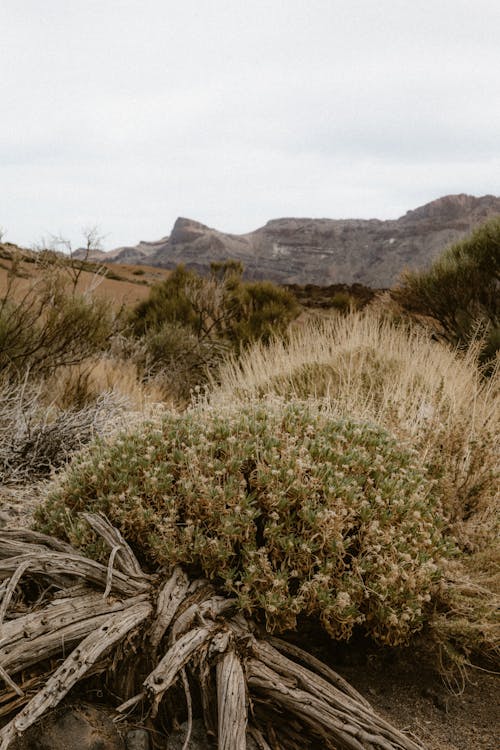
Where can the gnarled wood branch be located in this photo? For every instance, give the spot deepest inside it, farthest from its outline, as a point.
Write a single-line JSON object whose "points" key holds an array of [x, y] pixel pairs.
{"points": [[294, 700]]}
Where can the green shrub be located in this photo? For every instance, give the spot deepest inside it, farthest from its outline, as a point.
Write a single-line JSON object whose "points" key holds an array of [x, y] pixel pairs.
{"points": [[221, 306], [362, 366], [168, 302], [46, 326], [461, 289], [292, 512], [342, 301], [188, 322], [177, 360]]}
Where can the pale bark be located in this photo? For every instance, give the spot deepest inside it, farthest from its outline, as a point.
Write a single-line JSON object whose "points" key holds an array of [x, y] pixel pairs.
{"points": [[294, 700], [113, 629], [232, 703]]}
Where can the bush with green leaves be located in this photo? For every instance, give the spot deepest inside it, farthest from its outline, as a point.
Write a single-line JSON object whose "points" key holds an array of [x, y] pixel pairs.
{"points": [[46, 326], [189, 321], [291, 511], [461, 289]]}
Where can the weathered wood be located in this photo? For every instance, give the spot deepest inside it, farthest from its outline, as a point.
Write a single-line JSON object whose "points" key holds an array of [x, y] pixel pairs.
{"points": [[296, 700], [112, 630], [10, 682], [358, 712], [162, 677], [258, 737], [313, 711], [61, 567], [208, 691], [198, 613], [232, 703], [27, 538], [171, 595], [189, 705], [317, 666], [45, 633], [10, 588], [126, 561]]}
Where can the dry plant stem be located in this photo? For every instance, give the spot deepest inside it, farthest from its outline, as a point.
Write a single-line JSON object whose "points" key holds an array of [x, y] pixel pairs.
{"points": [[126, 561], [292, 703], [258, 738], [171, 595], [25, 537], [232, 703], [317, 666], [10, 682], [339, 725], [163, 676], [11, 586], [347, 707], [109, 579], [189, 705], [27, 640], [74, 667], [59, 567]]}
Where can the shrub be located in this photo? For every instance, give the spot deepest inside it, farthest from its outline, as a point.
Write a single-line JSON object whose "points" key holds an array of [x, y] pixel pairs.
{"points": [[364, 367], [189, 321], [461, 289], [80, 385], [35, 439], [177, 360], [45, 327], [292, 511]]}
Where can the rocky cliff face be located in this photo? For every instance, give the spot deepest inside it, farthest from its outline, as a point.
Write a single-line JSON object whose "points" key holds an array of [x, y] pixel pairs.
{"points": [[323, 251]]}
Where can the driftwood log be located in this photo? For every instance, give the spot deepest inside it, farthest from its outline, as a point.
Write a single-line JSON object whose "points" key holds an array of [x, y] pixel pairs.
{"points": [[88, 618]]}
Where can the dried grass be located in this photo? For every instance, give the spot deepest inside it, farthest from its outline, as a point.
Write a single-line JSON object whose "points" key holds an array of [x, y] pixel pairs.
{"points": [[364, 367], [84, 383], [35, 438], [432, 398]]}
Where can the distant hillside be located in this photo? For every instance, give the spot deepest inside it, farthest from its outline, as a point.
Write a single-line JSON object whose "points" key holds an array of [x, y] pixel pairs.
{"points": [[322, 251], [121, 283]]}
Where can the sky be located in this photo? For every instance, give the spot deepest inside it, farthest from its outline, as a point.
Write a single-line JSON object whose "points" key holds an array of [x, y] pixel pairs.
{"points": [[124, 114]]}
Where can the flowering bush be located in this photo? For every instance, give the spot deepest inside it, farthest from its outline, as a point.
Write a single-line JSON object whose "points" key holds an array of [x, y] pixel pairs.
{"points": [[291, 511]]}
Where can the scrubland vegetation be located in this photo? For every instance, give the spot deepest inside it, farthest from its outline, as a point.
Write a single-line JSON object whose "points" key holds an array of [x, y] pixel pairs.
{"points": [[342, 470]]}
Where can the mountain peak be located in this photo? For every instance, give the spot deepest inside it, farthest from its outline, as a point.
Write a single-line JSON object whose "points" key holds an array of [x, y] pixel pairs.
{"points": [[451, 207], [324, 251]]}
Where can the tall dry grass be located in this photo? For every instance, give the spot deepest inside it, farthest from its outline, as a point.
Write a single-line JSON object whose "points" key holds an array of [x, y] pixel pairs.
{"points": [[85, 382], [365, 367]]}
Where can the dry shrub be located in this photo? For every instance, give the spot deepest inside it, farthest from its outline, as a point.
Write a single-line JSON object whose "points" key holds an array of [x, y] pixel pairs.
{"points": [[35, 438], [433, 398], [293, 512], [176, 361], [79, 385], [48, 325], [364, 367]]}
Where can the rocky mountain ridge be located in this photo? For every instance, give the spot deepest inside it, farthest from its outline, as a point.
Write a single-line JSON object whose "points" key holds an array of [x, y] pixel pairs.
{"points": [[372, 252]]}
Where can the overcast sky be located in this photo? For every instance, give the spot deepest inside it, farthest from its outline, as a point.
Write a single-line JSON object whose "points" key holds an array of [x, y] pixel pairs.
{"points": [[129, 113]]}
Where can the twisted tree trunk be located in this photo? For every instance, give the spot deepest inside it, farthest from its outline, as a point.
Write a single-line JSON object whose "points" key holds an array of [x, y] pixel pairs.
{"points": [[249, 686]]}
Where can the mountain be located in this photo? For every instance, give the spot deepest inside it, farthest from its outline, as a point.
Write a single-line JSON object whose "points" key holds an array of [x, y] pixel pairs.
{"points": [[322, 251]]}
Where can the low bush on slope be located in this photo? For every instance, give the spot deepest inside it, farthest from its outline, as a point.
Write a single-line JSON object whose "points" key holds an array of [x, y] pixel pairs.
{"points": [[461, 290], [288, 509], [363, 367]]}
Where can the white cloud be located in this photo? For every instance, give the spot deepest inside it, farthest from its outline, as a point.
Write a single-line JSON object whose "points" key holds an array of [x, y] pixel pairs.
{"points": [[129, 113]]}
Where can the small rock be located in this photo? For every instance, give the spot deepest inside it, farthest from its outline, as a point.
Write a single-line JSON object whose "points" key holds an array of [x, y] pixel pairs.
{"points": [[137, 739], [83, 727], [199, 738], [438, 700]]}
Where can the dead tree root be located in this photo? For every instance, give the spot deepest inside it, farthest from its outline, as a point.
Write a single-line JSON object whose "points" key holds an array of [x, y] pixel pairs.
{"points": [[87, 618]]}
